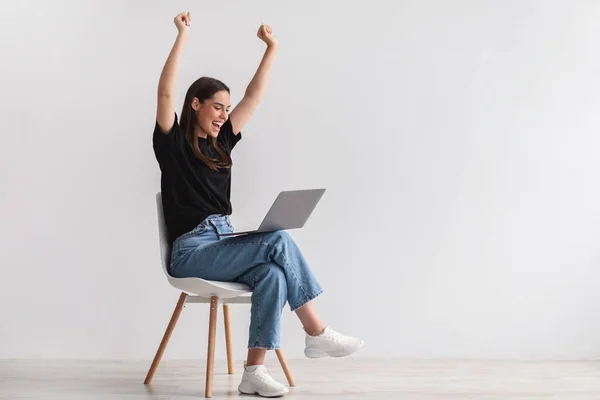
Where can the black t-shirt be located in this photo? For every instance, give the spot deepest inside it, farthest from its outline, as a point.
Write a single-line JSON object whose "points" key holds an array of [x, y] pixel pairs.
{"points": [[191, 191]]}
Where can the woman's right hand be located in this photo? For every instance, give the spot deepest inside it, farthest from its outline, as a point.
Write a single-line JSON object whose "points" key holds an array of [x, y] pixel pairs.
{"points": [[183, 21]]}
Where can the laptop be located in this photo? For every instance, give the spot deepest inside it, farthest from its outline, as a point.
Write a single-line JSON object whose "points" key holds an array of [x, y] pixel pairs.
{"points": [[290, 210]]}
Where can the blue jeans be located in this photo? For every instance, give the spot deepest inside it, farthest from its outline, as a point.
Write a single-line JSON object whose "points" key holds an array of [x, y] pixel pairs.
{"points": [[270, 263]]}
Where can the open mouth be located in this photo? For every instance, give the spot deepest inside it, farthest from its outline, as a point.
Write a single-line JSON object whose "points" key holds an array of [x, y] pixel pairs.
{"points": [[217, 125]]}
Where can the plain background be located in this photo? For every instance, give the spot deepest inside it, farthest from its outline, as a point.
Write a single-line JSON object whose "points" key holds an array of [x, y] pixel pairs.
{"points": [[458, 142]]}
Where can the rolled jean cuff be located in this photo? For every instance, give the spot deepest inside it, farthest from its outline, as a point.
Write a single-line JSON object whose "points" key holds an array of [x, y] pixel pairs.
{"points": [[259, 345], [306, 300]]}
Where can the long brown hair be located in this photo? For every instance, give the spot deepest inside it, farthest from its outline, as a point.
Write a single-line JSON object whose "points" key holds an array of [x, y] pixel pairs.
{"points": [[203, 89]]}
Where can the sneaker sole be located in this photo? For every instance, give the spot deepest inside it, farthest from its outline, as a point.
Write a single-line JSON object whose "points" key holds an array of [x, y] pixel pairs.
{"points": [[248, 388], [317, 353]]}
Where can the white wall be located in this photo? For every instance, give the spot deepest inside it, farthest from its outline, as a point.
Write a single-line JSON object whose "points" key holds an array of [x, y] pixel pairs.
{"points": [[458, 142]]}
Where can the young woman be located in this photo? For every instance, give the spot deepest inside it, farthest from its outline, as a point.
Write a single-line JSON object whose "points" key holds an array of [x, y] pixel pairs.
{"points": [[194, 155]]}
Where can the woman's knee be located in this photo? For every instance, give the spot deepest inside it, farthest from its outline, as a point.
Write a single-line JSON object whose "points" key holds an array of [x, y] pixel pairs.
{"points": [[281, 237]]}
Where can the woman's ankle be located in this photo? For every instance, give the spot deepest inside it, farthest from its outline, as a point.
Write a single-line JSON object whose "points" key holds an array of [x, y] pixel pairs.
{"points": [[252, 364], [256, 357], [314, 330], [251, 368]]}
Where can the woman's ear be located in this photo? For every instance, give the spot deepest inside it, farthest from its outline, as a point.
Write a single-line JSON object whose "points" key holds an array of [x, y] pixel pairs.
{"points": [[195, 104]]}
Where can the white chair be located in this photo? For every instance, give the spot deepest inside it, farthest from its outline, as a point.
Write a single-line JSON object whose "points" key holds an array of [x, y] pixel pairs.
{"points": [[196, 290]]}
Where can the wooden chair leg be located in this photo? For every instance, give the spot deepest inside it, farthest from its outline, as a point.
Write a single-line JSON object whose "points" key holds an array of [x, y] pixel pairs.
{"points": [[210, 357], [228, 339], [285, 367], [166, 337]]}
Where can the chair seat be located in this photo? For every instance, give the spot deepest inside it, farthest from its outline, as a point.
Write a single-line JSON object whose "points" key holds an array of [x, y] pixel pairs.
{"points": [[205, 288]]}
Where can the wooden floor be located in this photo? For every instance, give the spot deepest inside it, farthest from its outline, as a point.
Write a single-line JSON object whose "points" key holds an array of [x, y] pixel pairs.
{"points": [[321, 379]]}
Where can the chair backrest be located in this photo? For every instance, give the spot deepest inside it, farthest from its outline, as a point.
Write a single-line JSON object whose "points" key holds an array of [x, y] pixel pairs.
{"points": [[165, 248]]}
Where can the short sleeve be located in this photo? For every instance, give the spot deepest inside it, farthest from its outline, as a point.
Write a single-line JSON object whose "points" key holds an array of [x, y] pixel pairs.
{"points": [[163, 142], [227, 137]]}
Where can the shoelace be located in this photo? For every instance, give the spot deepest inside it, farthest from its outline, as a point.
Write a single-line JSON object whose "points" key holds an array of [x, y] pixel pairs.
{"points": [[334, 336]]}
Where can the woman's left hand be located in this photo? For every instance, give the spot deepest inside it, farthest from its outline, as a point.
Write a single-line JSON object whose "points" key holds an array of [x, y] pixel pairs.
{"points": [[265, 33]]}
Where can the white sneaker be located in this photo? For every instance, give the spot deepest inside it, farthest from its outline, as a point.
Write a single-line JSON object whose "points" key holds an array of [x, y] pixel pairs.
{"points": [[332, 344], [256, 380]]}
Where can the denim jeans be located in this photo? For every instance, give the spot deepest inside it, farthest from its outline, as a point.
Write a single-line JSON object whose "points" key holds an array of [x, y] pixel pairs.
{"points": [[270, 263]]}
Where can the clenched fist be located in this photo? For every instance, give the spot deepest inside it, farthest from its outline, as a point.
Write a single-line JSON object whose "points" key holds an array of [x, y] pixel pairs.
{"points": [[183, 21], [265, 33]]}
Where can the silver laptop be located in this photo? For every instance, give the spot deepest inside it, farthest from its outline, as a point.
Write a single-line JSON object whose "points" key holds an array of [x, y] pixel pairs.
{"points": [[290, 210]]}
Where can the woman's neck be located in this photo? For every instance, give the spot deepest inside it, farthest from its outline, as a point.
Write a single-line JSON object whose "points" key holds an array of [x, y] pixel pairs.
{"points": [[200, 133]]}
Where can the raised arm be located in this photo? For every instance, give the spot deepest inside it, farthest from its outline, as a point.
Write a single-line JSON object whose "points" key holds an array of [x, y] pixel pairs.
{"points": [[165, 112], [256, 88]]}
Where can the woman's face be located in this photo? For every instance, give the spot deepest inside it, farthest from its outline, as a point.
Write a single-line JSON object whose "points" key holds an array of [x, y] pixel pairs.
{"points": [[212, 113]]}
